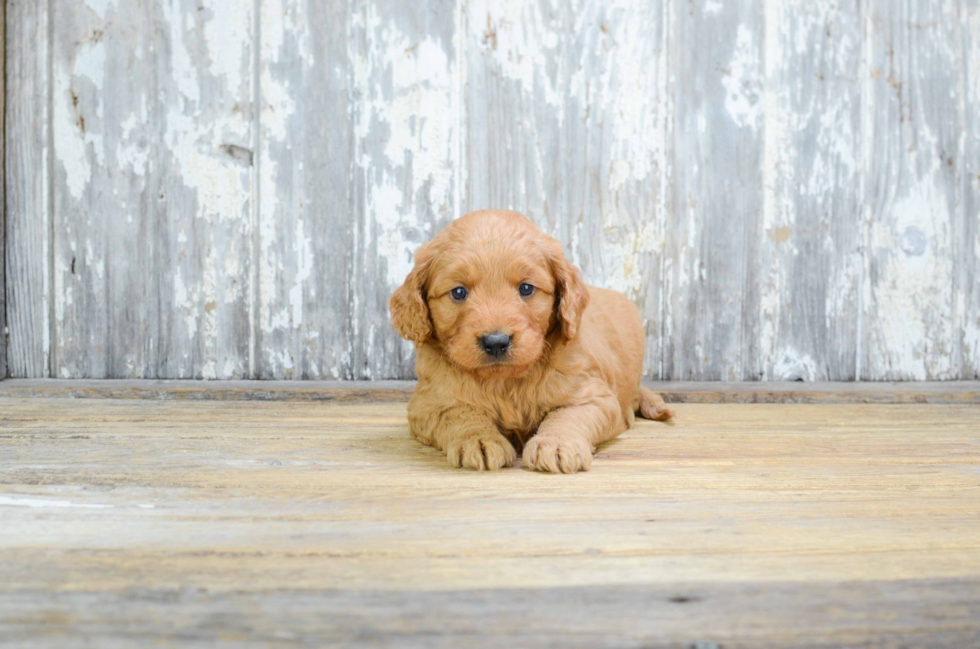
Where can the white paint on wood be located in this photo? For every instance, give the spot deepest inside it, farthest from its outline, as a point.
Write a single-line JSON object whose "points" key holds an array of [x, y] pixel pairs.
{"points": [[151, 132], [568, 123], [223, 189], [810, 255], [714, 229], [740, 78], [27, 189], [303, 159], [406, 125], [3, 219], [912, 191], [969, 250]]}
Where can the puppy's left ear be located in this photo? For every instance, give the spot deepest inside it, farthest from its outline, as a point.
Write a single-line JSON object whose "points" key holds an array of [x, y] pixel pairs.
{"points": [[408, 306], [571, 295]]}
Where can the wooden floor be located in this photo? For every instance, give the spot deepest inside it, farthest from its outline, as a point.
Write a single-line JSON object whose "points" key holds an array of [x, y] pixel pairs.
{"points": [[127, 523]]}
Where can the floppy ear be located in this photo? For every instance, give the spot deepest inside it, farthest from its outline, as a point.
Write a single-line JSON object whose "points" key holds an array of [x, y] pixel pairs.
{"points": [[409, 309], [571, 295]]}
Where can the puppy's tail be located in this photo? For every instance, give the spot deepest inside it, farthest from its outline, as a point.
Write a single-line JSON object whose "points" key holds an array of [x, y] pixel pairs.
{"points": [[653, 407]]}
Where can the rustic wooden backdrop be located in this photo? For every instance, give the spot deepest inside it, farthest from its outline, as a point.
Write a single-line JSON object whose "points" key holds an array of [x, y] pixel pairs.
{"points": [[232, 188]]}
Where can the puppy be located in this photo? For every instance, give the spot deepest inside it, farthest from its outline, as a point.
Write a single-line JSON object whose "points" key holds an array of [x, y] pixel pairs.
{"points": [[515, 351]]}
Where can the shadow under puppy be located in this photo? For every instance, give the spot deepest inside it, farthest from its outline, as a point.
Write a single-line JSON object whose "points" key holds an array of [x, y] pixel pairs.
{"points": [[515, 350]]}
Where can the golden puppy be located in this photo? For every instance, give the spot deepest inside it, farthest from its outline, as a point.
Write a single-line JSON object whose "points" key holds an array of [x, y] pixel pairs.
{"points": [[514, 350]]}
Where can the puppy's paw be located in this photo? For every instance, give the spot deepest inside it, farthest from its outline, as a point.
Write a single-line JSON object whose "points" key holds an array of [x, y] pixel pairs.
{"points": [[481, 451], [655, 412], [554, 453], [652, 406]]}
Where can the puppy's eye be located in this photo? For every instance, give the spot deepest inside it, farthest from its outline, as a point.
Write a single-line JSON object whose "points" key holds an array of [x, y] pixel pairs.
{"points": [[459, 293], [526, 290]]}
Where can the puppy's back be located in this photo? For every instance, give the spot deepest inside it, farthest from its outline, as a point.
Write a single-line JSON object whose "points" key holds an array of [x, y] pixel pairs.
{"points": [[612, 333]]}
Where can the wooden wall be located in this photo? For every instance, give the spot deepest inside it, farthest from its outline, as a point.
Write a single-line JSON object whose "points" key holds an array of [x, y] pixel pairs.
{"points": [[3, 227], [232, 188]]}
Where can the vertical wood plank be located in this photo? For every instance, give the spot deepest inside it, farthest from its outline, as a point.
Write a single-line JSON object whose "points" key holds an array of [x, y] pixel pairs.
{"points": [[86, 104], [969, 257], [715, 226], [914, 124], [153, 175], [407, 127], [3, 216], [304, 166], [567, 123], [26, 170], [810, 255], [208, 182]]}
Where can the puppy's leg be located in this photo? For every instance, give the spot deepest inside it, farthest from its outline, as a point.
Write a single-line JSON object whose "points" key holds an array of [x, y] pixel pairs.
{"points": [[653, 407], [567, 437], [468, 437]]}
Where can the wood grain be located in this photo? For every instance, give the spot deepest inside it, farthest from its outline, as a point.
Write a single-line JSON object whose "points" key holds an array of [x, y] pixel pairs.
{"points": [[152, 234], [305, 151], [744, 525], [809, 260], [715, 233], [3, 217], [919, 613], [27, 192], [232, 190], [567, 120], [406, 165], [913, 133], [969, 237]]}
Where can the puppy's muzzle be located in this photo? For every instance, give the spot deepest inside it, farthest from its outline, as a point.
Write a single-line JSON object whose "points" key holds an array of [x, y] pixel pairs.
{"points": [[495, 345]]}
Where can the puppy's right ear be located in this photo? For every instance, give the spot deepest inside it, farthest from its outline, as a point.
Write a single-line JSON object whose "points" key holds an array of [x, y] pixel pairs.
{"points": [[409, 309], [571, 294]]}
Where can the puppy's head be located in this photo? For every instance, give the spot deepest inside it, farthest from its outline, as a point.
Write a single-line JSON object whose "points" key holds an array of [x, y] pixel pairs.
{"points": [[494, 291]]}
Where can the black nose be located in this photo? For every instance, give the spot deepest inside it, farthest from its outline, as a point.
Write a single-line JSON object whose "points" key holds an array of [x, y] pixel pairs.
{"points": [[495, 344]]}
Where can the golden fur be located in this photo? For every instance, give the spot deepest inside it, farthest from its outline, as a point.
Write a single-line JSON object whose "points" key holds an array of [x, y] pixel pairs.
{"points": [[571, 379]]}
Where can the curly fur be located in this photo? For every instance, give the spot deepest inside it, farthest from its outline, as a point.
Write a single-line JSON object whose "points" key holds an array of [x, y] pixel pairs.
{"points": [[571, 379]]}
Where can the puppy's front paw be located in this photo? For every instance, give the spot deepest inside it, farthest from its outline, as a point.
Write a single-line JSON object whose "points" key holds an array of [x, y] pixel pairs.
{"points": [[554, 453], [481, 451]]}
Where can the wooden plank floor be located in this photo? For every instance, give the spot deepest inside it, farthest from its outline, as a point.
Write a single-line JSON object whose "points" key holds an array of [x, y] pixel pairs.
{"points": [[127, 523]]}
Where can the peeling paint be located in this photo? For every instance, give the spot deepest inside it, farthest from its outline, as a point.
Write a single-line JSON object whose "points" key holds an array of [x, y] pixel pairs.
{"points": [[519, 37], [576, 114], [408, 139], [969, 297], [628, 274], [914, 196], [413, 117], [71, 142], [792, 365], [100, 7], [809, 268], [912, 300], [228, 52], [742, 80], [304, 262]]}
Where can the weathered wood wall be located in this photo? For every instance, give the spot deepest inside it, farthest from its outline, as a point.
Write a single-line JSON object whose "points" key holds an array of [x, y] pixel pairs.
{"points": [[232, 188], [3, 225]]}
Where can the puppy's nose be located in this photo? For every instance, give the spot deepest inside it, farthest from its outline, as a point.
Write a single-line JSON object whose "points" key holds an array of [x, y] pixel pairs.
{"points": [[495, 344]]}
